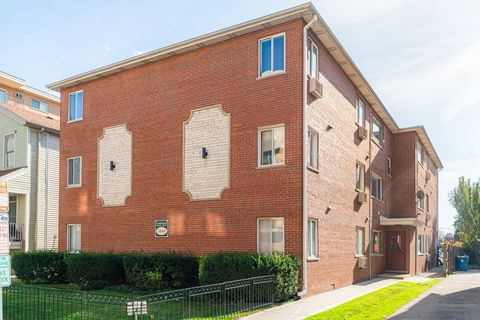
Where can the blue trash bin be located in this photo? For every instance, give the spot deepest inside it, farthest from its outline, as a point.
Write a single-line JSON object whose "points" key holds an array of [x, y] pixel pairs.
{"points": [[461, 263]]}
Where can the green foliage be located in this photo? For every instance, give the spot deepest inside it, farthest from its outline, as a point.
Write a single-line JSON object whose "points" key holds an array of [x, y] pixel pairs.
{"points": [[223, 267], [161, 270], [40, 266], [465, 198], [95, 270]]}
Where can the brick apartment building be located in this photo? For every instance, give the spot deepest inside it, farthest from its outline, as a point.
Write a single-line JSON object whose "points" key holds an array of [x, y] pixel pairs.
{"points": [[259, 137]]}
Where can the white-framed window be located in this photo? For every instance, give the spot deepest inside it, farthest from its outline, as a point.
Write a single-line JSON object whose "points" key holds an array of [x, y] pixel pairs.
{"points": [[270, 235], [271, 148], [420, 153], [359, 176], [312, 238], [75, 106], [271, 55], [312, 58], [360, 108], [360, 241], [74, 172], [377, 131], [39, 105], [312, 149], [389, 166], [421, 200], [421, 244], [427, 202], [3, 95], [427, 244], [74, 237], [377, 187], [9, 151], [377, 242]]}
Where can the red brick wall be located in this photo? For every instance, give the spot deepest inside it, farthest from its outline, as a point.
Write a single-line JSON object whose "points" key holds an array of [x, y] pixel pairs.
{"points": [[154, 100]]}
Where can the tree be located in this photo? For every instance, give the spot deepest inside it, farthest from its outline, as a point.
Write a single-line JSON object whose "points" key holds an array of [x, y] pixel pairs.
{"points": [[465, 198]]}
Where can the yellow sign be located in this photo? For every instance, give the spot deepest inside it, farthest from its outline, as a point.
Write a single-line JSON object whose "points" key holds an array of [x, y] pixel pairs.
{"points": [[3, 196]]}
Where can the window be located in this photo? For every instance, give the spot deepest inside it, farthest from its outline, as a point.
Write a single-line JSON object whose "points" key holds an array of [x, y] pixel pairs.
{"points": [[389, 166], [360, 112], [360, 177], [313, 149], [19, 95], [74, 235], [74, 172], [360, 241], [3, 95], [270, 235], [312, 238], [272, 146], [427, 202], [377, 187], [377, 132], [39, 105], [421, 200], [9, 151], [75, 107], [420, 153], [377, 242], [272, 55], [312, 58], [421, 245]]}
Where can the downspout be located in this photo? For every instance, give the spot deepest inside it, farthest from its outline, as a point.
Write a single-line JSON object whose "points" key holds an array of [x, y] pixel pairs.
{"points": [[370, 205], [304, 156]]}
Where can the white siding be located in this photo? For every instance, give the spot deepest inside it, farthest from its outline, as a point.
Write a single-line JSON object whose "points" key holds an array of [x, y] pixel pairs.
{"points": [[7, 126]]}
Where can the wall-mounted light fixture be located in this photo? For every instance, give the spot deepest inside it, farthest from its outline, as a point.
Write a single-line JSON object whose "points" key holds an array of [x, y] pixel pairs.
{"points": [[112, 165], [328, 210], [204, 153]]}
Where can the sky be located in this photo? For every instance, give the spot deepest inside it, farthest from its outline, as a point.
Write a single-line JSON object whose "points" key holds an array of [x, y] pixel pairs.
{"points": [[421, 57]]}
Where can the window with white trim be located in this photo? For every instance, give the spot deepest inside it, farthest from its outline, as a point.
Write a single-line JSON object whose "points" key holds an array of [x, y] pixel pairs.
{"points": [[377, 187], [271, 146], [9, 151], [312, 238], [39, 105], [360, 107], [74, 172], [420, 153], [312, 58], [377, 242], [389, 166], [421, 245], [74, 235], [360, 241], [420, 200], [272, 55], [377, 131], [75, 106], [359, 177], [312, 149], [270, 235], [3, 95]]}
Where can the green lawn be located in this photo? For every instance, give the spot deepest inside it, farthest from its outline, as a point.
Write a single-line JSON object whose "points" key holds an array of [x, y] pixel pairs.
{"points": [[378, 304]]}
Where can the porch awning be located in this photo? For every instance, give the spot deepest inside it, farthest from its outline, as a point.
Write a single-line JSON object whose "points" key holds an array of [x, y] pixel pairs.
{"points": [[412, 222]]}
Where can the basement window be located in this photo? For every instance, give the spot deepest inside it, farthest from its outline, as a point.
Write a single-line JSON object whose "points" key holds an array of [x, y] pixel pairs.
{"points": [[74, 235], [270, 235]]}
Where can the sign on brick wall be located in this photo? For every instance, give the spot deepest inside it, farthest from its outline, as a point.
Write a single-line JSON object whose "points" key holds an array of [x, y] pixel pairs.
{"points": [[161, 229]]}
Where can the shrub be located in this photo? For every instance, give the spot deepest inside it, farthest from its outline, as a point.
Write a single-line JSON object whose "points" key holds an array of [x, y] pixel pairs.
{"points": [[158, 271], [223, 267], [94, 270], [40, 266]]}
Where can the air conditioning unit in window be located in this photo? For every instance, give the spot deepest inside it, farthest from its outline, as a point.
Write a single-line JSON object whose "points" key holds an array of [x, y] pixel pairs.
{"points": [[362, 133], [315, 87], [362, 262], [362, 197]]}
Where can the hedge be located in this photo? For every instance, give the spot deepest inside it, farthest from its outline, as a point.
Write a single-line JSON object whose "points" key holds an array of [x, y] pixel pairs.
{"points": [[161, 270], [94, 270], [222, 267], [40, 266]]}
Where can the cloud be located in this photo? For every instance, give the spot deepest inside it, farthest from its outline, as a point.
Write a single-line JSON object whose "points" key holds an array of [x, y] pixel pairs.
{"points": [[106, 50]]}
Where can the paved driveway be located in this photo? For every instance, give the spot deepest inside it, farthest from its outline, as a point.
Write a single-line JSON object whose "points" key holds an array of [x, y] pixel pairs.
{"points": [[456, 297]]}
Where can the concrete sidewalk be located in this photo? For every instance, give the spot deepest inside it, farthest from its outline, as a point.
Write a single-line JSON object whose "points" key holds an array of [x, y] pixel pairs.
{"points": [[456, 297], [312, 305]]}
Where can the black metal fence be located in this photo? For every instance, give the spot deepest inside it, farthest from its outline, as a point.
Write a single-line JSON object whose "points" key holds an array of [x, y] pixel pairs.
{"points": [[228, 300]]}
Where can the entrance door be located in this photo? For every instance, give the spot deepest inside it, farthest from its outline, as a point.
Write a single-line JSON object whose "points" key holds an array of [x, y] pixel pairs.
{"points": [[396, 251]]}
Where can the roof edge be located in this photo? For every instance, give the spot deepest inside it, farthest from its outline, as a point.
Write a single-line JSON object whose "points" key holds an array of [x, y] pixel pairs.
{"points": [[423, 135]]}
